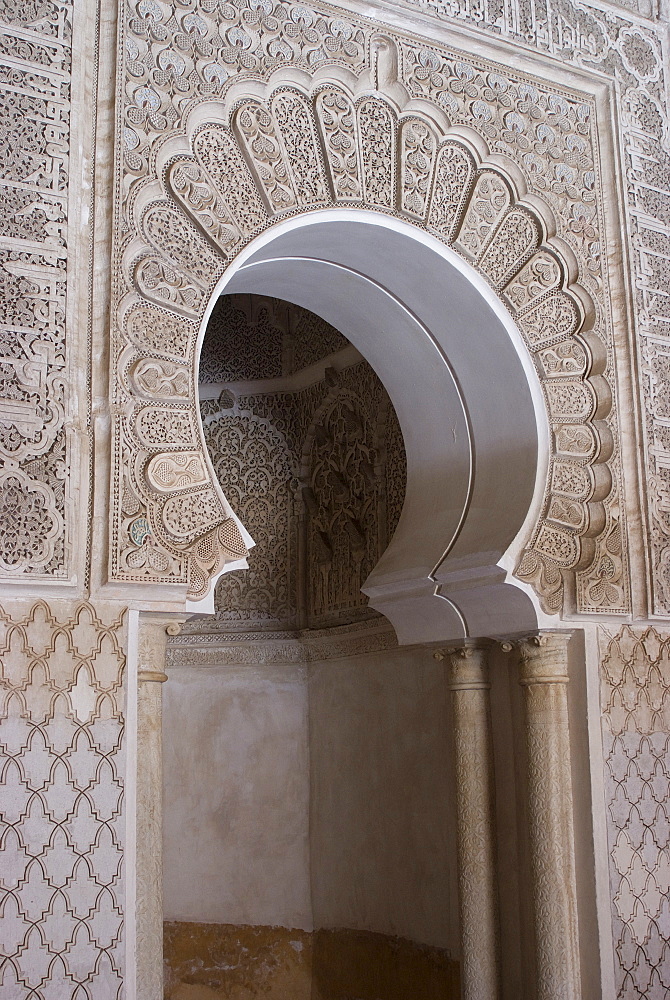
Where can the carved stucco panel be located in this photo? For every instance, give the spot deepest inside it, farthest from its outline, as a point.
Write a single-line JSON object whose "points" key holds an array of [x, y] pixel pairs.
{"points": [[635, 700], [62, 829], [633, 55], [426, 173], [36, 279]]}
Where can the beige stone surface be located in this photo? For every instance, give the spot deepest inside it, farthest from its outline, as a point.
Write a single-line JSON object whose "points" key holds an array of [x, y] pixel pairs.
{"points": [[382, 822], [236, 773]]}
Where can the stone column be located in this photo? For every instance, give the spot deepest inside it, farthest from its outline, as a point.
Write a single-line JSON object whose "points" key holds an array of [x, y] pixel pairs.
{"points": [[544, 677], [152, 641], [469, 685]]}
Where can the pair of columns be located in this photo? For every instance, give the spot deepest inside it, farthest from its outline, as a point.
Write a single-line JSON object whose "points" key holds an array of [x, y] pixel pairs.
{"points": [[543, 675]]}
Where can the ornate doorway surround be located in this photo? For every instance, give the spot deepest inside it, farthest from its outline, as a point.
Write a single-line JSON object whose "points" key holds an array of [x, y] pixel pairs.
{"points": [[243, 121], [500, 169]]}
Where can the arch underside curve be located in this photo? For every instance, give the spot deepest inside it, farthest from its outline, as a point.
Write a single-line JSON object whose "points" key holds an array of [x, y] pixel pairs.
{"points": [[269, 152]]}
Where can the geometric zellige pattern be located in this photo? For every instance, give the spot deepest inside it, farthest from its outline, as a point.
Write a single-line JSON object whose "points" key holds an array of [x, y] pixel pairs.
{"points": [[635, 690], [61, 823]]}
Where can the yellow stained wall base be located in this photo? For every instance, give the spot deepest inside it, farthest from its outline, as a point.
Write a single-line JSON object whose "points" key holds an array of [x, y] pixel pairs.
{"points": [[229, 962]]}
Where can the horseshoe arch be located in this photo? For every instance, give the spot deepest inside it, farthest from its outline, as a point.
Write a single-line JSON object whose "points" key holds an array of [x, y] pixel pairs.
{"points": [[264, 192]]}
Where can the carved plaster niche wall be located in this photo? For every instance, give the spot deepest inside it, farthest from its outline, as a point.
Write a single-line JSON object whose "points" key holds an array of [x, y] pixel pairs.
{"points": [[357, 136], [303, 438]]}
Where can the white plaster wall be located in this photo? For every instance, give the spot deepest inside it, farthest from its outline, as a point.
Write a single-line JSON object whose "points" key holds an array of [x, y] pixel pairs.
{"points": [[236, 798], [383, 834], [238, 755]]}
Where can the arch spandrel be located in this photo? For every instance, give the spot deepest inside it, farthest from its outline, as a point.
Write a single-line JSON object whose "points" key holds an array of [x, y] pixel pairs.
{"points": [[231, 174]]}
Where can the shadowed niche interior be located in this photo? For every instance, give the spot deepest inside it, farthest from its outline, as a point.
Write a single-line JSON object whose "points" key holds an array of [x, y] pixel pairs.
{"points": [[307, 446], [309, 840]]}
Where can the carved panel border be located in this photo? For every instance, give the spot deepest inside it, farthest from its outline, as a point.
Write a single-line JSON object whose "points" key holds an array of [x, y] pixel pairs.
{"points": [[37, 454], [496, 164]]}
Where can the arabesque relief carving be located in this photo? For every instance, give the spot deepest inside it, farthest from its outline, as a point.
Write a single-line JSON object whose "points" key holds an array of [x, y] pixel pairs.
{"points": [[62, 834], [449, 144], [36, 454]]}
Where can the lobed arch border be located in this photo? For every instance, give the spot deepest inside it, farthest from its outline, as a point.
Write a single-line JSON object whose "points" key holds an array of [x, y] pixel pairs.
{"points": [[556, 550]]}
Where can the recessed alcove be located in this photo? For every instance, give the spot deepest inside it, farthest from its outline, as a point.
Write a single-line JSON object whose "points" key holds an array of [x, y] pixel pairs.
{"points": [[306, 444], [310, 808], [309, 805]]}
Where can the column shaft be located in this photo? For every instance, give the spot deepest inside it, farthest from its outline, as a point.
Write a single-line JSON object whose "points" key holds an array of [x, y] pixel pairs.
{"points": [[468, 682], [149, 857], [544, 677]]}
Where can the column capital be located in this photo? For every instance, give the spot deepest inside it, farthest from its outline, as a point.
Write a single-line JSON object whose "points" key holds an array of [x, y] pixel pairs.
{"points": [[543, 656], [154, 629], [469, 669]]}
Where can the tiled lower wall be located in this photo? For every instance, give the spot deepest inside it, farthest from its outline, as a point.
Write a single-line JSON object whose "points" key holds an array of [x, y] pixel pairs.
{"points": [[226, 962]]}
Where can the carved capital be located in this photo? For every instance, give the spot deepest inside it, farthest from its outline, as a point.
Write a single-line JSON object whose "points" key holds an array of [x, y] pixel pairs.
{"points": [[543, 657], [468, 664], [153, 635]]}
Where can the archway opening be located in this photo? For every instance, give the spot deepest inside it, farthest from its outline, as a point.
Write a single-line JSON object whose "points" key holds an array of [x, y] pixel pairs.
{"points": [[297, 731], [334, 790], [466, 395]]}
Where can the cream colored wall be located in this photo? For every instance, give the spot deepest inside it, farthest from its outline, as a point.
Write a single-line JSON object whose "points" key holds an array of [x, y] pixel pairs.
{"points": [[382, 816], [238, 754], [236, 793]]}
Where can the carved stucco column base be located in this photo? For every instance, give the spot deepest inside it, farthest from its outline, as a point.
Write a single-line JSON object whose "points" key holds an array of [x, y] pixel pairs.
{"points": [[469, 686], [152, 640], [544, 678]]}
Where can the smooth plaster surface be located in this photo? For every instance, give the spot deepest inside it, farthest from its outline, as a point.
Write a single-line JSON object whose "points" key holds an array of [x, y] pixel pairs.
{"points": [[383, 836], [374, 850], [236, 780]]}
